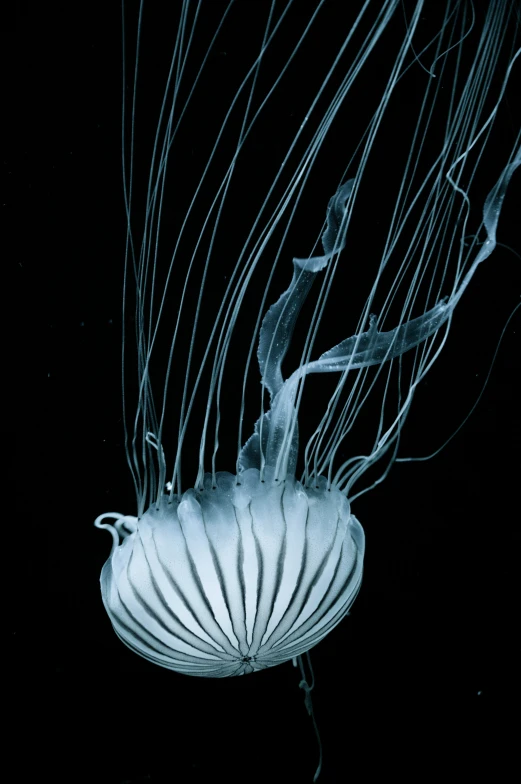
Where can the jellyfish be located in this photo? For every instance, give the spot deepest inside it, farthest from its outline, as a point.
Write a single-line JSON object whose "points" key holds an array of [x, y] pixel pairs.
{"points": [[384, 194]]}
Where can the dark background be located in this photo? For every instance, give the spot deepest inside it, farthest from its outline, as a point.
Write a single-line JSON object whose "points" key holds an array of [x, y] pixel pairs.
{"points": [[423, 675]]}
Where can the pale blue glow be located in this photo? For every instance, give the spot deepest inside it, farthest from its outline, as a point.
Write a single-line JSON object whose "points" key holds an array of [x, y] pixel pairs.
{"points": [[243, 551], [230, 569]]}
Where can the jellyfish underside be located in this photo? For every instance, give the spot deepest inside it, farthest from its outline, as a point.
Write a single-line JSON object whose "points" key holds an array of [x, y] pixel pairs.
{"points": [[250, 569]]}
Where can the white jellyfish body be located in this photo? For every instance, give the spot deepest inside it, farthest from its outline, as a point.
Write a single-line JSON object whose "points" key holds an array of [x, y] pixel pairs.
{"points": [[253, 568], [237, 576]]}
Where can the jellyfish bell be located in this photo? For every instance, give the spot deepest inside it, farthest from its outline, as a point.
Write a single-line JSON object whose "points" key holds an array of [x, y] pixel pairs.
{"points": [[230, 573], [239, 575]]}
